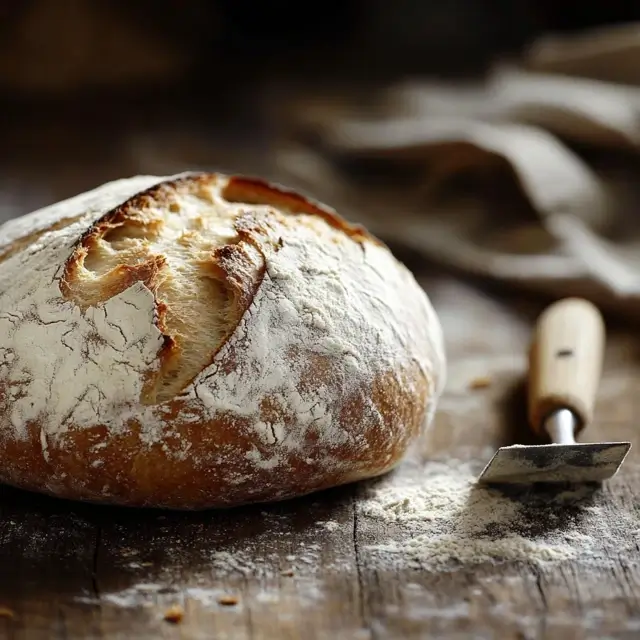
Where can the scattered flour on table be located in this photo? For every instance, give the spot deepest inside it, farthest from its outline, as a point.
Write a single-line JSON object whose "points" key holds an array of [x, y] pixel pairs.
{"points": [[437, 517], [425, 516], [329, 525], [248, 568]]}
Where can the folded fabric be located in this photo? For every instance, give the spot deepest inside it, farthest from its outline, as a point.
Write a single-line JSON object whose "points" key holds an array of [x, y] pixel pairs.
{"points": [[527, 176]]}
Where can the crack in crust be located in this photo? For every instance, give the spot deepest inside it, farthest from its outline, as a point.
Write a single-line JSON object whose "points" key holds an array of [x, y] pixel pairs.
{"points": [[255, 191], [196, 242]]}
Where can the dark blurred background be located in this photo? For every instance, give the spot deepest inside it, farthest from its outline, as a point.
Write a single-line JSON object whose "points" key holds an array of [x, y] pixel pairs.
{"points": [[95, 90]]}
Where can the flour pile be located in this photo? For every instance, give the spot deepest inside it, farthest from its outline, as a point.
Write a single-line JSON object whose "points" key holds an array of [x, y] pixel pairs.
{"points": [[436, 517]]}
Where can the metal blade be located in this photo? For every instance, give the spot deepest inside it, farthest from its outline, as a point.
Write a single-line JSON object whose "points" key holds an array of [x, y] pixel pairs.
{"points": [[584, 462]]}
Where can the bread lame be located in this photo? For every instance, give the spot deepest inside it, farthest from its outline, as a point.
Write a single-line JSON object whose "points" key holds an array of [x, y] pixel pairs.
{"points": [[565, 364]]}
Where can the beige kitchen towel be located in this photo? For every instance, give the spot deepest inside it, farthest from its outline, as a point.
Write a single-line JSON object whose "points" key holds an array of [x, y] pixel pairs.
{"points": [[530, 176]]}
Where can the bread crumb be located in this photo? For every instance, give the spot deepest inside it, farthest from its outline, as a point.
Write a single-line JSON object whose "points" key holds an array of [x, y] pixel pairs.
{"points": [[228, 601], [5, 612], [480, 382], [174, 614]]}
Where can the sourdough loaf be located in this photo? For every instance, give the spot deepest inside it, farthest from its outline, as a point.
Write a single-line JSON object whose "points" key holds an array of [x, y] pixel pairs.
{"points": [[201, 340]]}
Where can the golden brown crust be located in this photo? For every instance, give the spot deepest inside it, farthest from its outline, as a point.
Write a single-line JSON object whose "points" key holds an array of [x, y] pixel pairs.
{"points": [[150, 478], [256, 191], [197, 457]]}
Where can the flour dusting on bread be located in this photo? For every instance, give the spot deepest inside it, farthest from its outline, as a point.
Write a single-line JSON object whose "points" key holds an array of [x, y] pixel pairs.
{"points": [[61, 366], [221, 325]]}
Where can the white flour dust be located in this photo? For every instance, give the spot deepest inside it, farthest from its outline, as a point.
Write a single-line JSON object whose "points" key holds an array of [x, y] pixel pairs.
{"points": [[431, 517], [438, 518], [277, 565]]}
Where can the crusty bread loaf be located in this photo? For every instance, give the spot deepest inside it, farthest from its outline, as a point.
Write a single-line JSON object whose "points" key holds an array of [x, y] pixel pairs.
{"points": [[200, 341]]}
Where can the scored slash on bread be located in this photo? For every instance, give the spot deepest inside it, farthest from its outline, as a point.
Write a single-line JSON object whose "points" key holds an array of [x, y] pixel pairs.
{"points": [[206, 341], [213, 247]]}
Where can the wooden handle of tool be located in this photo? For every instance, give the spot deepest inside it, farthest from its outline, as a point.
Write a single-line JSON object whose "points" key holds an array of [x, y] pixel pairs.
{"points": [[565, 361]]}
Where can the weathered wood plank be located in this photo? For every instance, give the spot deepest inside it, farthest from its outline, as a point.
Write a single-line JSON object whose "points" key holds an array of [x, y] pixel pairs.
{"points": [[47, 553], [289, 567]]}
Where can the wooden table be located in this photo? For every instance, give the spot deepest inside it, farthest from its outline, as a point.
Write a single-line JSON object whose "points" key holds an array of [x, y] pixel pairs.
{"points": [[77, 571], [280, 571]]}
